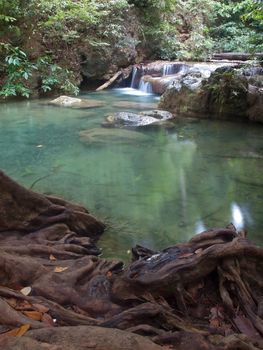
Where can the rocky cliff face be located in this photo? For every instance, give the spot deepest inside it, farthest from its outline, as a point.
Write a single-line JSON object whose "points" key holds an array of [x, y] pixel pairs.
{"points": [[102, 61]]}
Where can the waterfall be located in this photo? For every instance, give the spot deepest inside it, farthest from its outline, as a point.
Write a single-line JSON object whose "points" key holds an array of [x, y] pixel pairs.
{"points": [[145, 86], [168, 69], [134, 78]]}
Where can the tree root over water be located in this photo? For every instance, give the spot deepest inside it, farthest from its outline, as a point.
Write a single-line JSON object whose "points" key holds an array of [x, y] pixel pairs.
{"points": [[56, 293]]}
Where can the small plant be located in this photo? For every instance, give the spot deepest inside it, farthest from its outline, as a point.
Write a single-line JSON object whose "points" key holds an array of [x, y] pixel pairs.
{"points": [[227, 89], [54, 77], [17, 69]]}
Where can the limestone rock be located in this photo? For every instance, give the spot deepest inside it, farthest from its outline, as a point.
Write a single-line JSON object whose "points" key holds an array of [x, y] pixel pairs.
{"points": [[73, 102], [232, 93], [141, 119]]}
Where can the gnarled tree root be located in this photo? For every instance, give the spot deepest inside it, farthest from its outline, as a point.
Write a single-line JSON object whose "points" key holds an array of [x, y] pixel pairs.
{"points": [[203, 294]]}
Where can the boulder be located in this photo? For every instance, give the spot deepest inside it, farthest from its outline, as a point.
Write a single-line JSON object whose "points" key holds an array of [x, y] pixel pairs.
{"points": [[231, 93], [158, 84], [114, 136], [141, 119], [73, 102]]}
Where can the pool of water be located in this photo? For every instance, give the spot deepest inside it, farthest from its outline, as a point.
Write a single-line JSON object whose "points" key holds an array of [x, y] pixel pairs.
{"points": [[154, 192]]}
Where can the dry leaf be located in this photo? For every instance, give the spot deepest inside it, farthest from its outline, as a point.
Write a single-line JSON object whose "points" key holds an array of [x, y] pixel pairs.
{"points": [[17, 332], [215, 323], [198, 251], [60, 269], [26, 290], [52, 258], [34, 315], [22, 330], [109, 274]]}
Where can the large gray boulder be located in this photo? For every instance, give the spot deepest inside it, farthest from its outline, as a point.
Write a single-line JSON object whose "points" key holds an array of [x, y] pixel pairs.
{"points": [[140, 119]]}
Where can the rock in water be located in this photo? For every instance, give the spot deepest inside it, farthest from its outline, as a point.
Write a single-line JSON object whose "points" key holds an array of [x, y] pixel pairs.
{"points": [[115, 136], [128, 119], [233, 93], [73, 102]]}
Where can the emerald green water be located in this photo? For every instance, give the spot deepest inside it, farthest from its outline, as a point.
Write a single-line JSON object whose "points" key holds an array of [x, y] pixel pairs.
{"points": [[154, 193]]}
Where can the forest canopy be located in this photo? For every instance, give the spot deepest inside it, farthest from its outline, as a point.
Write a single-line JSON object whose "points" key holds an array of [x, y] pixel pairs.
{"points": [[34, 35]]}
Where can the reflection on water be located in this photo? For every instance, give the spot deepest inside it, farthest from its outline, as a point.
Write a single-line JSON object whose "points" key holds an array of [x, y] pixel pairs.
{"points": [[158, 190], [237, 216]]}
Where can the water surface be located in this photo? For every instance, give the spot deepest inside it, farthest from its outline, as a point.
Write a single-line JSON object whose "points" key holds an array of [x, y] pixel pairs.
{"points": [[155, 193]]}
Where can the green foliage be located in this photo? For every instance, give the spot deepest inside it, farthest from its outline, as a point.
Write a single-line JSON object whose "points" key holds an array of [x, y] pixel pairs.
{"points": [[194, 29], [180, 30], [17, 70], [234, 28], [227, 88], [164, 5], [170, 29], [254, 13], [54, 77]]}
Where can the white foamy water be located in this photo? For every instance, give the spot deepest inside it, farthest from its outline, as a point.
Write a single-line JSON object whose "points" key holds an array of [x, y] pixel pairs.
{"points": [[131, 91]]}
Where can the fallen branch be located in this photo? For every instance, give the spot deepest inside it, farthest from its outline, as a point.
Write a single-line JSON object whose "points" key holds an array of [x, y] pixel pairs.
{"points": [[110, 81]]}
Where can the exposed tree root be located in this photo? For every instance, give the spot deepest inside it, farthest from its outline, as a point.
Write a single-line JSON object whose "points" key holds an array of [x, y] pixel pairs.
{"points": [[203, 294]]}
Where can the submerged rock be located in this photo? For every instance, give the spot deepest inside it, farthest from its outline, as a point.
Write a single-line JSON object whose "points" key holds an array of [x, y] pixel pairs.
{"points": [[73, 102], [115, 136], [147, 118]]}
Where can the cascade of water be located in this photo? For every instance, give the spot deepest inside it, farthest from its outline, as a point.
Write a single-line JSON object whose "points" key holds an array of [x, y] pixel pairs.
{"points": [[134, 76], [182, 69], [145, 86], [168, 69], [137, 81]]}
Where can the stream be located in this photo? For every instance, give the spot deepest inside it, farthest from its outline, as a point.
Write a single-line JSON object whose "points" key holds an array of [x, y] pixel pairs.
{"points": [[155, 193]]}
